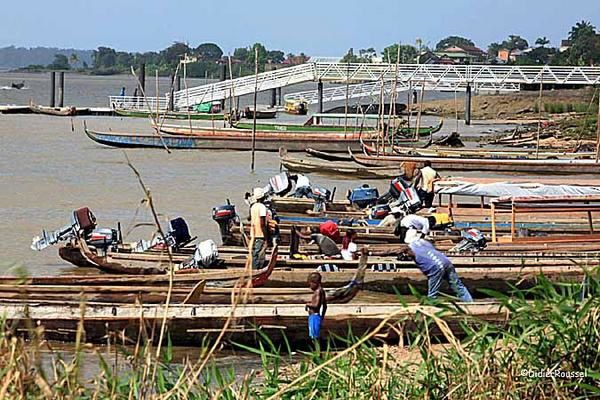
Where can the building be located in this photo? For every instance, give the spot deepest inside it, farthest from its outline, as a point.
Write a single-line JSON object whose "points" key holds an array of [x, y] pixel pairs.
{"points": [[506, 55], [565, 45], [463, 54]]}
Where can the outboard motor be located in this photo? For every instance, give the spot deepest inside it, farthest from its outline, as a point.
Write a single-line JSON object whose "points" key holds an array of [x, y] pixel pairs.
{"points": [[206, 255], [321, 196], [83, 222], [226, 217], [380, 211], [364, 196], [103, 239], [279, 185], [406, 196], [178, 234], [473, 241]]}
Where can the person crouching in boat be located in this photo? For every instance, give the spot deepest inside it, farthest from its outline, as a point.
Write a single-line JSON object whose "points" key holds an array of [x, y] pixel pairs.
{"points": [[435, 266], [258, 228], [349, 248], [317, 307], [327, 246], [302, 186]]}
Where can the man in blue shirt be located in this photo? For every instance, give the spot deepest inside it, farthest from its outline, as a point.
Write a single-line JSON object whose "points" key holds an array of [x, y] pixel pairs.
{"points": [[435, 265]]}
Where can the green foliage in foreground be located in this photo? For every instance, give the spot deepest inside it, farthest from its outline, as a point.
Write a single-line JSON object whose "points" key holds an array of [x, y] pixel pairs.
{"points": [[547, 349]]}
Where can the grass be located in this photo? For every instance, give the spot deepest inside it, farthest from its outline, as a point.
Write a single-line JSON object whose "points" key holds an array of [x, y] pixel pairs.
{"points": [[552, 330]]}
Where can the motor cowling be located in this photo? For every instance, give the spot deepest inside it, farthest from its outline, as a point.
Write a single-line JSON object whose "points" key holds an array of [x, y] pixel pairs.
{"points": [[364, 196], [224, 216], [103, 238], [473, 241], [380, 211]]}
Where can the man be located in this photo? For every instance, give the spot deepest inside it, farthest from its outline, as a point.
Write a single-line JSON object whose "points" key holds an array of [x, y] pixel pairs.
{"points": [[424, 181], [327, 246], [392, 218], [302, 188], [317, 306], [435, 266], [421, 224], [258, 228]]}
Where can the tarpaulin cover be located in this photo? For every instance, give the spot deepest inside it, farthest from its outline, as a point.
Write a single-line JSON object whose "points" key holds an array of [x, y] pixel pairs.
{"points": [[508, 189]]}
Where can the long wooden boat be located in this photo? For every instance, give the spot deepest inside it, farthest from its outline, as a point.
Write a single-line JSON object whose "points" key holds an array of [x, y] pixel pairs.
{"points": [[501, 279], [554, 167], [228, 140], [193, 324], [423, 130], [200, 293], [55, 111], [300, 128], [120, 263], [350, 170], [124, 112], [492, 153]]}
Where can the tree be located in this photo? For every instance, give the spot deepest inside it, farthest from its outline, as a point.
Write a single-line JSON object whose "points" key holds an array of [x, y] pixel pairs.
{"points": [[350, 57], [276, 56], [585, 44], [60, 62], [514, 42], [209, 52], [241, 53], [73, 59], [408, 53], [453, 41], [172, 54], [542, 41], [104, 58], [493, 49]]}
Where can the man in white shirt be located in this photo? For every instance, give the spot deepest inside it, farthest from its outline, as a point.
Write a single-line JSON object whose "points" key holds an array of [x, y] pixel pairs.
{"points": [[302, 186], [422, 225], [258, 229]]}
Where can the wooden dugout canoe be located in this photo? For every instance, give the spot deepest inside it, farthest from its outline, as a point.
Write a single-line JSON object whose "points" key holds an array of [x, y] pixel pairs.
{"points": [[199, 293], [553, 167], [54, 111], [338, 168], [192, 324], [269, 140]]}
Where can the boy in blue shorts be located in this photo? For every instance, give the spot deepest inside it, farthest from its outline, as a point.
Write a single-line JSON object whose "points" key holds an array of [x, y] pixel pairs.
{"points": [[317, 306]]}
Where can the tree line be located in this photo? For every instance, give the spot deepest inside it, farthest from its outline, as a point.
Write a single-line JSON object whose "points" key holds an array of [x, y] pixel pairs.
{"points": [[583, 49]]}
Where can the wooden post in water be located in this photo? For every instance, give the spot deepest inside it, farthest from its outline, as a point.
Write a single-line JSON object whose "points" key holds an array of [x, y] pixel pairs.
{"points": [[61, 89], [320, 100], [279, 96], [418, 127], [171, 105], [52, 88], [468, 105], [273, 97], [223, 77], [143, 77], [254, 114]]}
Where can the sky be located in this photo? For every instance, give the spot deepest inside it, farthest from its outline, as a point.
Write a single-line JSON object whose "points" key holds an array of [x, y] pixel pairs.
{"points": [[318, 28]]}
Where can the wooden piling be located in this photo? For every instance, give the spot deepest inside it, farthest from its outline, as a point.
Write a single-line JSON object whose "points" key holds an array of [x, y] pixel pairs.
{"points": [[61, 89], [171, 105], [273, 97], [468, 105], [320, 100], [254, 104], [142, 75], [223, 77], [52, 88], [178, 83], [279, 96]]}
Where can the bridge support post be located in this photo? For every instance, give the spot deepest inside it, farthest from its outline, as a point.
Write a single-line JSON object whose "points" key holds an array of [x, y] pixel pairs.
{"points": [[468, 105], [222, 78], [143, 78], [320, 100], [273, 97], [61, 89], [52, 88]]}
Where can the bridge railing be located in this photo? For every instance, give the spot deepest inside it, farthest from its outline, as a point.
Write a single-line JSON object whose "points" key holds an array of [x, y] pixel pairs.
{"points": [[137, 103]]}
